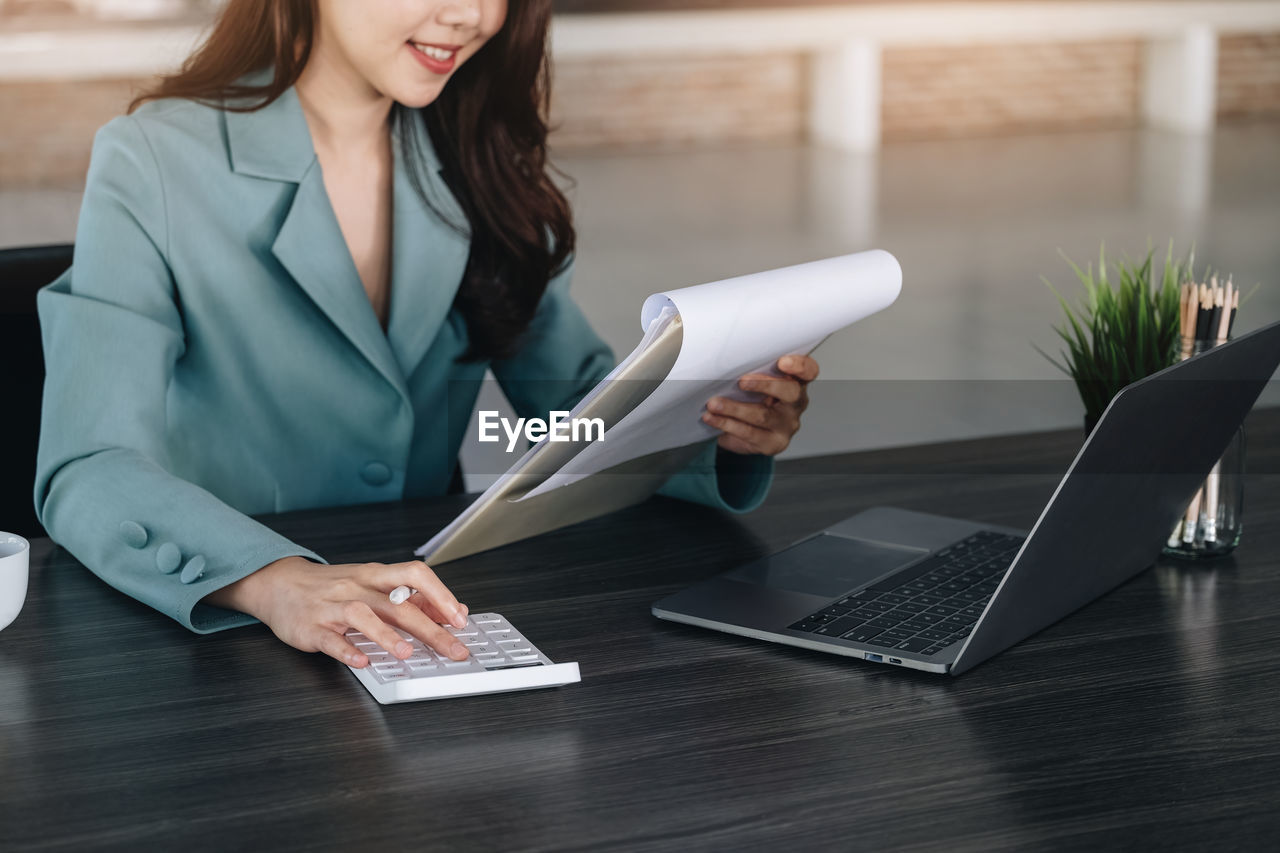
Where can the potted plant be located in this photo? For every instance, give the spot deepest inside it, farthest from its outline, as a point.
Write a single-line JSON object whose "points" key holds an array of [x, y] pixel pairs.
{"points": [[1125, 327]]}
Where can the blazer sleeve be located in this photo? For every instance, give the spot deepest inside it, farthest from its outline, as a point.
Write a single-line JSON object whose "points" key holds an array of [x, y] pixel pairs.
{"points": [[112, 332], [562, 358]]}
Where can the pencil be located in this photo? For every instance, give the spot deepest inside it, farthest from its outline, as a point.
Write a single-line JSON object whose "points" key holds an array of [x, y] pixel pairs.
{"points": [[1224, 314], [1186, 319], [1192, 519], [1202, 316]]}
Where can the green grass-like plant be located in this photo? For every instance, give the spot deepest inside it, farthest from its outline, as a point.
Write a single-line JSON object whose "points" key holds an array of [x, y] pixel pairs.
{"points": [[1126, 326]]}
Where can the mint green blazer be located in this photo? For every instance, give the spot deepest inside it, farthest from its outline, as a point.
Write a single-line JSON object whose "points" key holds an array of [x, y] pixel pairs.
{"points": [[212, 355]]}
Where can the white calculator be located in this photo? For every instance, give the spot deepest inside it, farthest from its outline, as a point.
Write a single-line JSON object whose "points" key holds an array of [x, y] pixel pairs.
{"points": [[501, 659]]}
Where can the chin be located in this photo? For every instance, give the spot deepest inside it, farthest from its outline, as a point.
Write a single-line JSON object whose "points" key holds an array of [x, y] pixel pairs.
{"points": [[415, 97]]}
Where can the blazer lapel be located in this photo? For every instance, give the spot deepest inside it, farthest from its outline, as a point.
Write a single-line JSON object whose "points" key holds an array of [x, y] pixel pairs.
{"points": [[429, 255], [275, 143]]}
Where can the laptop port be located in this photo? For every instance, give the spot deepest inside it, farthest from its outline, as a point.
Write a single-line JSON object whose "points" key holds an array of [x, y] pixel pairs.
{"points": [[876, 658], [895, 660]]}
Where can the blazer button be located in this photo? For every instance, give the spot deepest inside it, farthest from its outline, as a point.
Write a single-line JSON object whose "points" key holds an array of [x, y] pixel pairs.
{"points": [[376, 474], [133, 534], [168, 558], [192, 571]]}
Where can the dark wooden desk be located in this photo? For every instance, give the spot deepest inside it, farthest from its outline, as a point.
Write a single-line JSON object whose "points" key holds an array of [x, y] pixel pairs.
{"points": [[1149, 720]]}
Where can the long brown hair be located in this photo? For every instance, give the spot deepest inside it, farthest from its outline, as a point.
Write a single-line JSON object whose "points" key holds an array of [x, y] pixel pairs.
{"points": [[488, 128]]}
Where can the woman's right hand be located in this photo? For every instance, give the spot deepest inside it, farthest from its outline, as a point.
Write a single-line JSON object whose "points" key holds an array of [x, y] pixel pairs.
{"points": [[311, 606]]}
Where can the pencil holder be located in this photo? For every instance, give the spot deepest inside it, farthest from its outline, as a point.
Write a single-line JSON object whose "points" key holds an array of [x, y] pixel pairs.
{"points": [[1211, 524]]}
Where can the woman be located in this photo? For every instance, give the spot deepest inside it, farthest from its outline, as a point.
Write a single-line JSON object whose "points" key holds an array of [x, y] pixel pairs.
{"points": [[294, 262]]}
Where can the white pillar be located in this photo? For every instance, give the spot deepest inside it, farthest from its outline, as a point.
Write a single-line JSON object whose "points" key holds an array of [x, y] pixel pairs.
{"points": [[1181, 87], [844, 103]]}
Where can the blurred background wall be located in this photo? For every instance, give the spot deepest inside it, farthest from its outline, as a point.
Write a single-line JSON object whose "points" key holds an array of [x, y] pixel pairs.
{"points": [[717, 95]]}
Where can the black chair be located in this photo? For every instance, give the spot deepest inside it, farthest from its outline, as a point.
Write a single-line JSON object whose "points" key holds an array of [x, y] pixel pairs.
{"points": [[23, 271]]}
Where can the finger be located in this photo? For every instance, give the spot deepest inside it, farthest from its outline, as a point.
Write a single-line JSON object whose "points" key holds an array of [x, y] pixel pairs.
{"points": [[420, 625], [340, 649], [785, 390], [802, 367], [362, 617], [433, 613], [419, 575], [760, 440], [755, 414], [733, 444]]}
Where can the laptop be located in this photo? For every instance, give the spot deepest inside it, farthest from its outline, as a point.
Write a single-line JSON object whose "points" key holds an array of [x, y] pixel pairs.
{"points": [[942, 594]]}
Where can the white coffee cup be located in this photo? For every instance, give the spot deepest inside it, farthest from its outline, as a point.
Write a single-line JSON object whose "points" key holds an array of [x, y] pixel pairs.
{"points": [[15, 554]]}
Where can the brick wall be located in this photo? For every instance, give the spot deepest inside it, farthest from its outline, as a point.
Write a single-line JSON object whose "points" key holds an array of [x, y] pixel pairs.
{"points": [[48, 128], [1249, 76], [967, 91], [676, 100], [928, 93]]}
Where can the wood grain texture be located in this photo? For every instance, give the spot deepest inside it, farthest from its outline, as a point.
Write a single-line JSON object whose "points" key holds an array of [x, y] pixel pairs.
{"points": [[1148, 720]]}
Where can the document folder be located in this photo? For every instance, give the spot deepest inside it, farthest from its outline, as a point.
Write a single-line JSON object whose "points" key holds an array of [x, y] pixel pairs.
{"points": [[502, 515], [698, 341]]}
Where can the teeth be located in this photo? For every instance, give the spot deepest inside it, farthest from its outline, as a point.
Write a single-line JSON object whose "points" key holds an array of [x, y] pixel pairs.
{"points": [[434, 52]]}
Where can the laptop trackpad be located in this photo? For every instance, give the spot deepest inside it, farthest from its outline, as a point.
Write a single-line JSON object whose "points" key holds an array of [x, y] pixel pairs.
{"points": [[826, 565]]}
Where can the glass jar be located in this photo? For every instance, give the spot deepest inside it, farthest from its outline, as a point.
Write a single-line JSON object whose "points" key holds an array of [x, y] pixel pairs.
{"points": [[1211, 524]]}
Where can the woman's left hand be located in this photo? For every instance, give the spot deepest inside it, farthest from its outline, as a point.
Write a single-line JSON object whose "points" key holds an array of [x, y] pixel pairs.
{"points": [[767, 426]]}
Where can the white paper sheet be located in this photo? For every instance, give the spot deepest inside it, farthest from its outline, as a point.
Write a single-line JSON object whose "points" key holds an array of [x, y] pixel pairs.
{"points": [[731, 328]]}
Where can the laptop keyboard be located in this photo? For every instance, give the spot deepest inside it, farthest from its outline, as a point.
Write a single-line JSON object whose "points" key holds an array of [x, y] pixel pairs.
{"points": [[926, 607]]}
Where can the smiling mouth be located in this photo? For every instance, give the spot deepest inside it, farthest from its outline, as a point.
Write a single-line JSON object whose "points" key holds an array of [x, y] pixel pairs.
{"points": [[436, 52]]}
